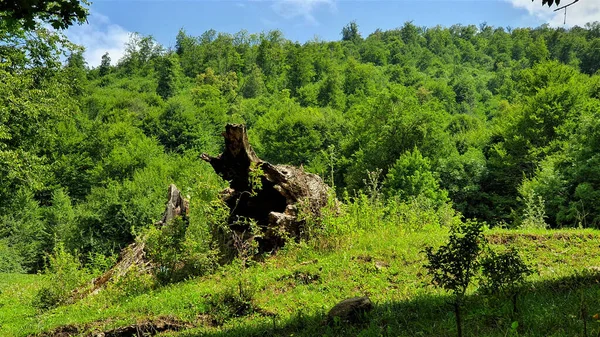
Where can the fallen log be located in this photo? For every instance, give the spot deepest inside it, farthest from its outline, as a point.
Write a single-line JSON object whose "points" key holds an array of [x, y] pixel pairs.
{"points": [[273, 196], [133, 257]]}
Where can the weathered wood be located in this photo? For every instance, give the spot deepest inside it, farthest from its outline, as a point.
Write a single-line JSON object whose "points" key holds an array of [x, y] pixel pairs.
{"points": [[275, 206], [176, 206]]}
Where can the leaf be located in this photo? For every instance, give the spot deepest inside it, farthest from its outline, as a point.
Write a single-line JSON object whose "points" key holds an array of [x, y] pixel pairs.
{"points": [[514, 325]]}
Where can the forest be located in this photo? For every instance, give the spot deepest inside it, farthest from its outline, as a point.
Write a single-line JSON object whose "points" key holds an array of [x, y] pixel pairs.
{"points": [[415, 125]]}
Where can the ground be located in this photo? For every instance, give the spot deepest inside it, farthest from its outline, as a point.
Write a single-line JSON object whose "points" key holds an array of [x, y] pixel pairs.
{"points": [[290, 293]]}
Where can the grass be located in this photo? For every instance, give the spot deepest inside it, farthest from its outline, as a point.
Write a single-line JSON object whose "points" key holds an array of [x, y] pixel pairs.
{"points": [[289, 294]]}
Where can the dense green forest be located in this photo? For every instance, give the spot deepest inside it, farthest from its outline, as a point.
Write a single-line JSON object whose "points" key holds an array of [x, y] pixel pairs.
{"points": [[500, 124], [464, 195]]}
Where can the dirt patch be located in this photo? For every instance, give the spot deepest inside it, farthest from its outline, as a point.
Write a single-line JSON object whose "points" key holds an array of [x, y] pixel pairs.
{"points": [[63, 331], [506, 238], [140, 329]]}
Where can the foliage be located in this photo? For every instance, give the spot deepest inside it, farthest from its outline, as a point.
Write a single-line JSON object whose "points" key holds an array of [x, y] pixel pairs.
{"points": [[60, 14], [168, 77], [453, 265], [64, 274], [504, 272], [534, 213], [236, 301], [175, 254], [10, 259], [411, 177]]}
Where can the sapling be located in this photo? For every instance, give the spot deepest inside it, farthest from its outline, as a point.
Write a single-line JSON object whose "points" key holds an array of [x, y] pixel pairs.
{"points": [[506, 273], [453, 265]]}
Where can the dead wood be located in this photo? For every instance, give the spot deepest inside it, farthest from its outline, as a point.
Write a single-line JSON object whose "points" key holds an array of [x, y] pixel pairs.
{"points": [[275, 207]]}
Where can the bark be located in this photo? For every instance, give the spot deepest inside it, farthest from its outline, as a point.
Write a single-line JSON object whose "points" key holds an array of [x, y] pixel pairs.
{"points": [[275, 207], [457, 316]]}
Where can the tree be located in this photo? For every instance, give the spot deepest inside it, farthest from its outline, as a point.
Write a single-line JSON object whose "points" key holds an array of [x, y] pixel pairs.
{"points": [[76, 72], [411, 176], [104, 68], [168, 76], [350, 32], [60, 14], [253, 84], [453, 265], [505, 272]]}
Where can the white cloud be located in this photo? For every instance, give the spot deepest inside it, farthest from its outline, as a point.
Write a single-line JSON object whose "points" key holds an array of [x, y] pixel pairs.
{"points": [[99, 36], [579, 14], [290, 9]]}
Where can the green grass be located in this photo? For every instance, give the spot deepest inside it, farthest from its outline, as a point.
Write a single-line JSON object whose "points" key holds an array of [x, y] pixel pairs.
{"points": [[292, 292]]}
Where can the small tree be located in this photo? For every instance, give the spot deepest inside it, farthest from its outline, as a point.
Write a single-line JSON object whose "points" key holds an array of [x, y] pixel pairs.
{"points": [[453, 265], [504, 273], [168, 77], [350, 32], [104, 68]]}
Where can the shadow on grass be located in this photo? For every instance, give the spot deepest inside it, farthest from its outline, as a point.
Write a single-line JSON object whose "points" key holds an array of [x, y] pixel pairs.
{"points": [[546, 308]]}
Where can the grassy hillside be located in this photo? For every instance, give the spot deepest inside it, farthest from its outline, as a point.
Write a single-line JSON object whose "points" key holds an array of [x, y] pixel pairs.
{"points": [[290, 293]]}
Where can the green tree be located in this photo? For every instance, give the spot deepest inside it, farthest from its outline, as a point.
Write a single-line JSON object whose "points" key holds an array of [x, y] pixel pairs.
{"points": [[454, 264], [350, 32], [253, 85], [76, 73], [168, 76], [411, 177], [104, 67], [59, 14]]}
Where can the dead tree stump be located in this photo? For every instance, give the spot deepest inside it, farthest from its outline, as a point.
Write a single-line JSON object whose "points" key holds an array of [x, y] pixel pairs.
{"points": [[275, 206]]}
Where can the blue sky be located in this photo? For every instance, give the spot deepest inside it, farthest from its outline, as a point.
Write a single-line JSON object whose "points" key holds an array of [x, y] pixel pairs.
{"points": [[111, 21]]}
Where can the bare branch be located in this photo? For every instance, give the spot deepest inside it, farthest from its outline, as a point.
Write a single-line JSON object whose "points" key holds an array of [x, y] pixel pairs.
{"points": [[565, 6]]}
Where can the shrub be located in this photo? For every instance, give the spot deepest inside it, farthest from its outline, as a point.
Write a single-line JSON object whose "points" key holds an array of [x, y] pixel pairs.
{"points": [[176, 254], [233, 302], [10, 260], [504, 272], [453, 265], [411, 176], [63, 274]]}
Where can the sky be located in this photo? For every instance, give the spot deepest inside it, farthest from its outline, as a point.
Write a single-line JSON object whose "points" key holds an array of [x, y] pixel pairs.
{"points": [[112, 21]]}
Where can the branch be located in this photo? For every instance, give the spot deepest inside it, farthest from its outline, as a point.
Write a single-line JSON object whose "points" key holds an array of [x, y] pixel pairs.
{"points": [[565, 6]]}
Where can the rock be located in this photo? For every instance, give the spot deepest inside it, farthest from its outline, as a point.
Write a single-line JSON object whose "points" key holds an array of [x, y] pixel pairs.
{"points": [[350, 310], [380, 265]]}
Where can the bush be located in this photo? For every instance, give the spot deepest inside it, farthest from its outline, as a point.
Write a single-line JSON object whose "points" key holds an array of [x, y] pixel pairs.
{"points": [[176, 253], [63, 274], [453, 265], [411, 176], [504, 273], [10, 260], [233, 302]]}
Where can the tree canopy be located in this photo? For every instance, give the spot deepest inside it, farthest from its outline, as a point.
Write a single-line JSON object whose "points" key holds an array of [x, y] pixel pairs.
{"points": [[60, 14], [499, 124]]}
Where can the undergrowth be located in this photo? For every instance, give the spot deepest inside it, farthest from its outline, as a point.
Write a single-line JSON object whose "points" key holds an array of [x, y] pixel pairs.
{"points": [[362, 247]]}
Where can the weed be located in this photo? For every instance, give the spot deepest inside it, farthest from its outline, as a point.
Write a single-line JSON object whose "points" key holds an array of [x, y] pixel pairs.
{"points": [[233, 302], [64, 273]]}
